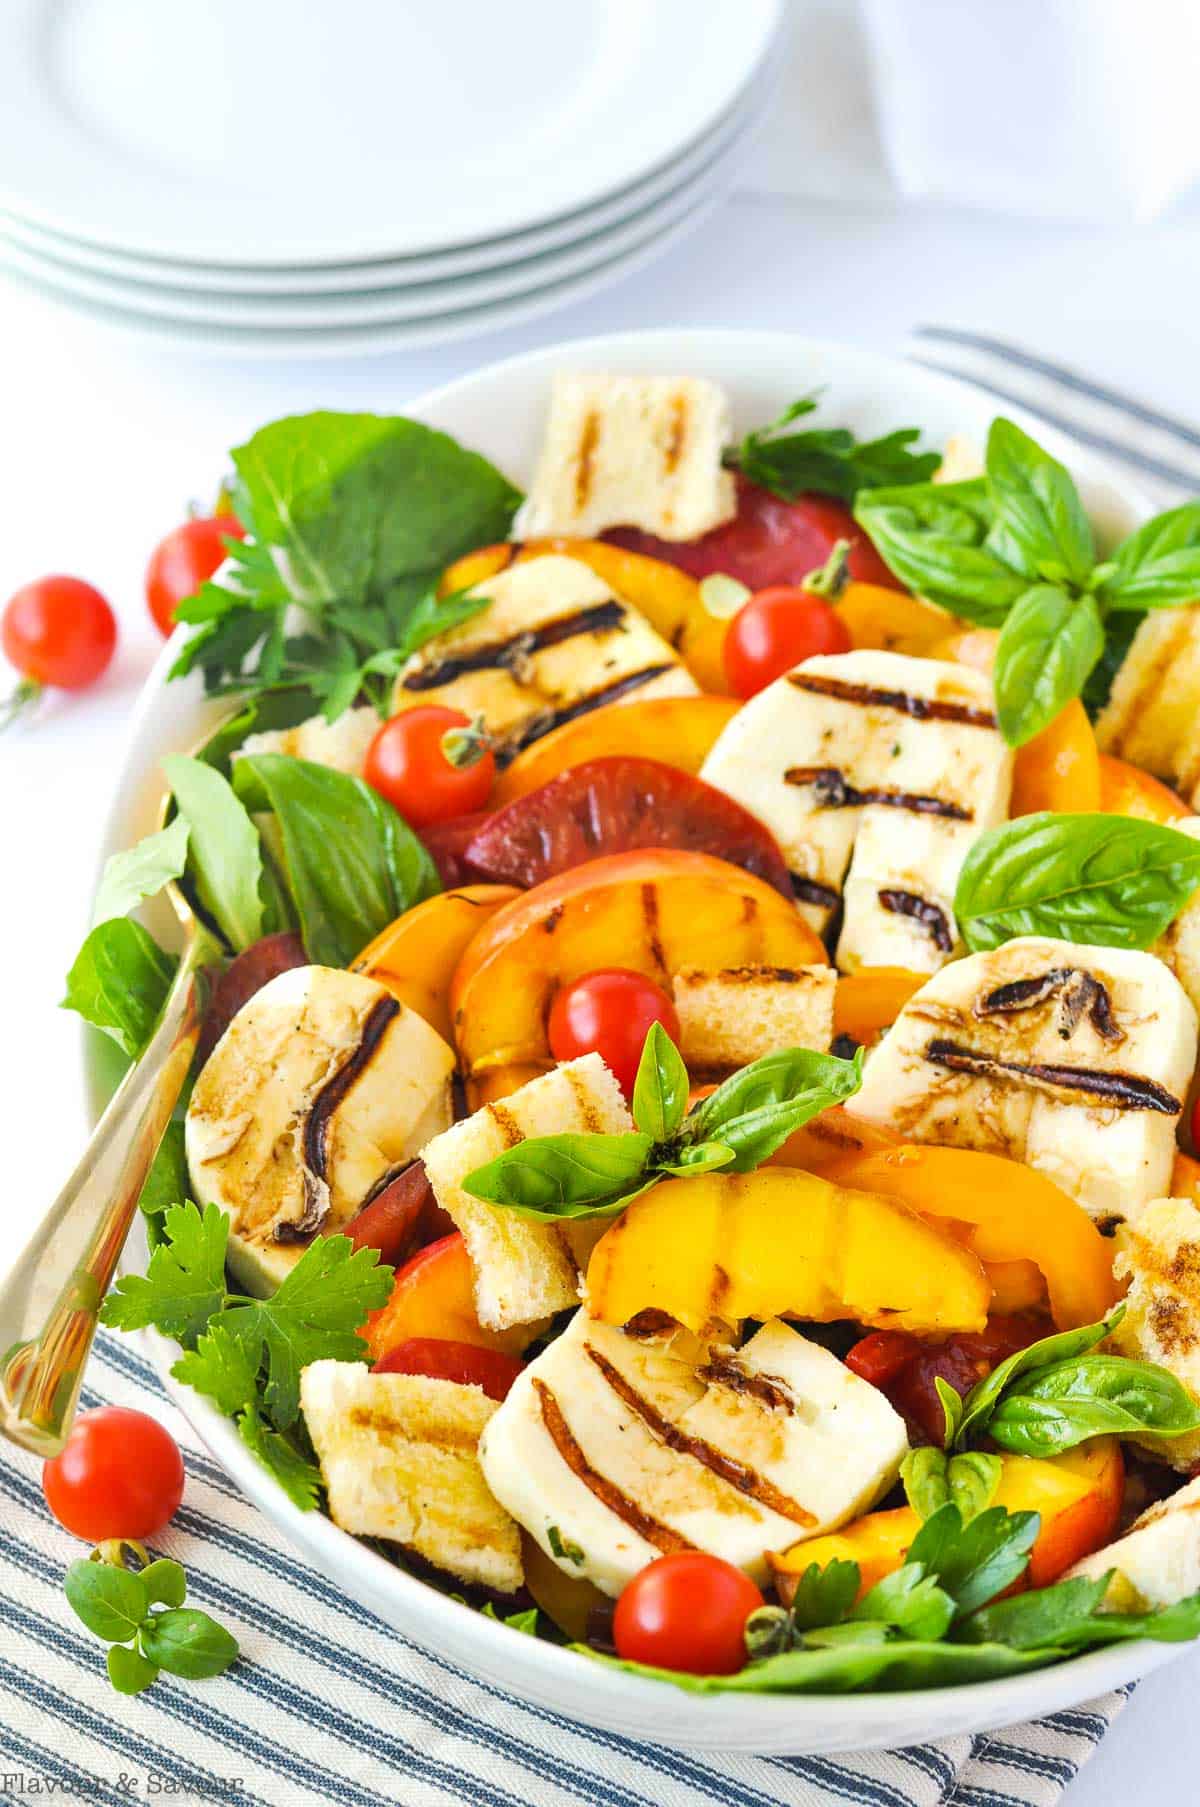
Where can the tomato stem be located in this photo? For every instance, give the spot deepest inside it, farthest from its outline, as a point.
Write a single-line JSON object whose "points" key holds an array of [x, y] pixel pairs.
{"points": [[465, 747], [19, 701], [112, 1551], [831, 580]]}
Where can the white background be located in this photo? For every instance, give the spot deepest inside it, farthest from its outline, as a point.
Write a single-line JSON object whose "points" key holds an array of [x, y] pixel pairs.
{"points": [[103, 442]]}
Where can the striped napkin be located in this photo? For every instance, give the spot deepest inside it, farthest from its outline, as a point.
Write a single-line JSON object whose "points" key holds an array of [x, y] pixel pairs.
{"points": [[328, 1705]]}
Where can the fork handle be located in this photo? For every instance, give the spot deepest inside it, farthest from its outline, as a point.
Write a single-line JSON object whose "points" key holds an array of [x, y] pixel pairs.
{"points": [[50, 1299]]}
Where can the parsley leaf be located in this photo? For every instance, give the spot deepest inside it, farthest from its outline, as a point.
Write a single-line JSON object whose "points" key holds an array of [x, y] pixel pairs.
{"points": [[297, 1475], [828, 461], [184, 1284]]}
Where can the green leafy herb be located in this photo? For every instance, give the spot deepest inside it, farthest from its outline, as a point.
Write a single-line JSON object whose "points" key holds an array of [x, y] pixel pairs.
{"points": [[860, 1666], [526, 1620], [952, 1407], [225, 858], [1041, 529], [353, 518], [167, 1180], [119, 982], [910, 1600], [1065, 1345], [828, 461], [932, 1479], [1049, 645], [824, 1595], [353, 865], [141, 871], [184, 1283], [1119, 631], [1107, 881], [978, 1559], [1057, 1407], [118, 1605], [934, 536], [296, 1473], [1159, 565], [562, 1547], [738, 1126]]}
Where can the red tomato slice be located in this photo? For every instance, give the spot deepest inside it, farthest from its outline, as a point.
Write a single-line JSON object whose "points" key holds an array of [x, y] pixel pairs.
{"points": [[769, 541], [253, 968], [907, 1370], [447, 844], [461, 1362], [401, 1218], [612, 806]]}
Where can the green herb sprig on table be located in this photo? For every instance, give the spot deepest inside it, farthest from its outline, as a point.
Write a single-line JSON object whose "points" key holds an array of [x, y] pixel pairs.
{"points": [[1015, 550], [246, 1354], [140, 1614], [827, 461], [733, 1130]]}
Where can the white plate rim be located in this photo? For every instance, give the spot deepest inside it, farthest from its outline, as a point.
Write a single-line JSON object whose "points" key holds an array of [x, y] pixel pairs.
{"points": [[759, 26], [550, 1677]]}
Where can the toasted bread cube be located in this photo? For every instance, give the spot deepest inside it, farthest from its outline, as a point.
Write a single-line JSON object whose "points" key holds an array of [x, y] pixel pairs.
{"points": [[1158, 1252], [1157, 1562], [1151, 717], [731, 1017], [399, 1455], [341, 744]]}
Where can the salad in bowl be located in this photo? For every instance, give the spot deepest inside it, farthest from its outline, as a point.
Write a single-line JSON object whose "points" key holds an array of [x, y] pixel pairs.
{"points": [[689, 1158]]}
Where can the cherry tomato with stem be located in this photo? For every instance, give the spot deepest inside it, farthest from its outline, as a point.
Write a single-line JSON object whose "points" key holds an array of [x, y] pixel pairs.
{"points": [[120, 1475], [186, 558], [609, 1013], [59, 633], [432, 764], [776, 629], [686, 1611], [463, 1363]]}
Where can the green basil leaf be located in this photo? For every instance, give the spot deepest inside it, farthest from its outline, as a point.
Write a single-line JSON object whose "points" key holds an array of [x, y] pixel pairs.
{"points": [[1064, 1345], [1048, 647], [757, 1108], [225, 859], [865, 1664], [164, 1583], [119, 982], [909, 1600], [353, 865], [825, 1595], [1119, 631], [1041, 528], [1158, 566], [973, 1478], [926, 1485], [128, 1671], [660, 1091], [1105, 881], [141, 871], [976, 1561], [934, 537], [565, 1176], [168, 1180], [952, 1408], [1057, 1407], [185, 1641], [110, 1601], [1044, 1615], [696, 1158]]}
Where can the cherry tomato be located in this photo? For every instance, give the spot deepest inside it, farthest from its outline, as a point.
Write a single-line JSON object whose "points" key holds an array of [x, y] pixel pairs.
{"points": [[58, 631], [185, 559], [465, 1363], [120, 1474], [408, 764], [608, 1013], [769, 541], [614, 805], [686, 1611], [774, 631]]}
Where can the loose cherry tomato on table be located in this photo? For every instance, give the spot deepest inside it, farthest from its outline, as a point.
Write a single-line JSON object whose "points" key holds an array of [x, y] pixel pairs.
{"points": [[120, 1474], [185, 559], [686, 1611], [609, 1013], [465, 1363], [775, 630], [431, 763], [57, 632]]}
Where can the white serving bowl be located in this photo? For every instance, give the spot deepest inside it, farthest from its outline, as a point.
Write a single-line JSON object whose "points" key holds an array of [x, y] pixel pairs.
{"points": [[499, 411]]}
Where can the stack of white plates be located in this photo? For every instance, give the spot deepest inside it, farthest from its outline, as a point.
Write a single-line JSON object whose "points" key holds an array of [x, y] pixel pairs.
{"points": [[264, 176]]}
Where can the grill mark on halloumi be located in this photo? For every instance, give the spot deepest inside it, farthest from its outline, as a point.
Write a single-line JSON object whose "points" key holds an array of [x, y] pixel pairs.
{"points": [[834, 791], [727, 1371], [1124, 1091], [727, 1468], [548, 719], [510, 653], [607, 1492], [869, 696], [316, 1124], [931, 916], [1079, 994], [809, 891]]}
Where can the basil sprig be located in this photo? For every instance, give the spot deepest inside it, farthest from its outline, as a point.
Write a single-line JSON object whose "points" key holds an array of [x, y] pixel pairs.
{"points": [[827, 461], [736, 1128], [967, 1480], [1060, 1392], [1106, 881], [1015, 550], [118, 1604]]}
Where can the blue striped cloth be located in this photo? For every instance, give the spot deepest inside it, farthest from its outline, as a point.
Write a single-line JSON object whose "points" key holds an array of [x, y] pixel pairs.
{"points": [[328, 1705]]}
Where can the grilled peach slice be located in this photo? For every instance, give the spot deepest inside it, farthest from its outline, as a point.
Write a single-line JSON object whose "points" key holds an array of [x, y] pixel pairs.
{"points": [[1059, 769], [678, 730], [1125, 790], [653, 911], [416, 955], [888, 619], [433, 1295], [779, 1243]]}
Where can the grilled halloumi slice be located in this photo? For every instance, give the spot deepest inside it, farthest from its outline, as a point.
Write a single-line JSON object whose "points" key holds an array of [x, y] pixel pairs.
{"points": [[612, 1449], [1075, 1060], [875, 772], [554, 643], [525, 1271], [1158, 1252], [399, 1456], [1151, 717], [341, 744], [631, 451], [735, 1015], [322, 1086], [1157, 1562]]}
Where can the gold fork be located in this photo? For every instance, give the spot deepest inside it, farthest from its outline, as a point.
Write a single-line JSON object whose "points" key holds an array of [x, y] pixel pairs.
{"points": [[50, 1299]]}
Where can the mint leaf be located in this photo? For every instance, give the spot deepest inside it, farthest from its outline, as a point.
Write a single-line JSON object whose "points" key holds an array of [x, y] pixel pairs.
{"points": [[660, 1091], [184, 1283], [1048, 648], [140, 871]]}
